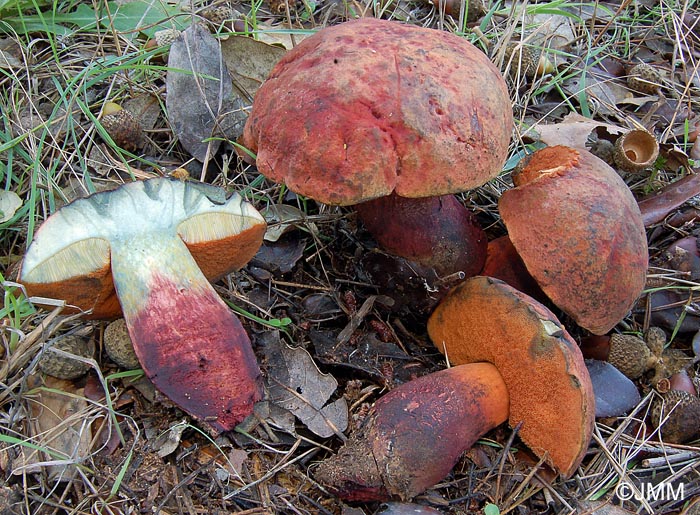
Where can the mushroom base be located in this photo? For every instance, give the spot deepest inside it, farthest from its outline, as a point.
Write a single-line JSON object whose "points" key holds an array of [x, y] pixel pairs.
{"points": [[415, 434]]}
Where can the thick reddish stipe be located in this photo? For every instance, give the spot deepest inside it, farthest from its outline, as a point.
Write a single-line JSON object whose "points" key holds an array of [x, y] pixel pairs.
{"points": [[203, 367]]}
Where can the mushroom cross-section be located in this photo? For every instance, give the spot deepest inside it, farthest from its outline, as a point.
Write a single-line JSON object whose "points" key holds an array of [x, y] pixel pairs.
{"points": [[394, 119], [150, 246], [513, 361]]}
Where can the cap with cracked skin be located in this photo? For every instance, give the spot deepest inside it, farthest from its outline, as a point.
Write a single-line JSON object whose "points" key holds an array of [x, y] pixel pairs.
{"points": [[369, 107]]}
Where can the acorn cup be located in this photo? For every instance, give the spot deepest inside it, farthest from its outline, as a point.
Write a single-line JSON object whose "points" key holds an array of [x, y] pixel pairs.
{"points": [[635, 151], [644, 78], [528, 61], [122, 127]]}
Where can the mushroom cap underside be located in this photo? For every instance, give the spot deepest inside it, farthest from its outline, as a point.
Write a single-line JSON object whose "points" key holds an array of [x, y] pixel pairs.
{"points": [[69, 258], [484, 319], [368, 107]]}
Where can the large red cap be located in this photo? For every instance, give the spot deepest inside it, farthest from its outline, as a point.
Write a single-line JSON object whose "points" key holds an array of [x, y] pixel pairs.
{"points": [[368, 107]]}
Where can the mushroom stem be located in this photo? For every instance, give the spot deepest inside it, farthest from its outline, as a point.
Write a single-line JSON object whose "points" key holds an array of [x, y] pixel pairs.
{"points": [[190, 345], [415, 434], [437, 232]]}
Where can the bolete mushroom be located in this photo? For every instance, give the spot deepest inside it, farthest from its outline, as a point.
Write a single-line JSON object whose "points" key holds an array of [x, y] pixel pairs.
{"points": [[514, 361], [577, 227], [392, 118], [485, 319], [149, 247]]}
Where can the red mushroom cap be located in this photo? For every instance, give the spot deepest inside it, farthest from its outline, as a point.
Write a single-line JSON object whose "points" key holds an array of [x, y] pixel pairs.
{"points": [[578, 229], [368, 107]]}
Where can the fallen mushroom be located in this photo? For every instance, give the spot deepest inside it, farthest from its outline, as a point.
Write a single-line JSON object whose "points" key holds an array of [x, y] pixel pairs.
{"points": [[514, 361], [413, 435], [577, 228], [378, 114], [150, 246], [485, 319]]}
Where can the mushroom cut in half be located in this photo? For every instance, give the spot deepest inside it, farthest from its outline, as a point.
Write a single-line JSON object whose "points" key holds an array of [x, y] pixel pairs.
{"points": [[577, 227], [394, 119], [150, 249], [486, 320]]}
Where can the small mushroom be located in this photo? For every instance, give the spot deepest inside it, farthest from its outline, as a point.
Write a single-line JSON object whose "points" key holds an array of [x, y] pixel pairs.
{"points": [[376, 113], [513, 361], [150, 247], [578, 229]]}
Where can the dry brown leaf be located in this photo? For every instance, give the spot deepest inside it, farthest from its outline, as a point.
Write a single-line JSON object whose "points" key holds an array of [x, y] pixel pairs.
{"points": [[573, 131], [59, 429], [249, 62], [10, 54], [200, 100], [297, 385]]}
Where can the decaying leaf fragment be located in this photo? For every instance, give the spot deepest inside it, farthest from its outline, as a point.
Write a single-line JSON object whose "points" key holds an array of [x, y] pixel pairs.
{"points": [[59, 430], [200, 100], [249, 61], [297, 385]]}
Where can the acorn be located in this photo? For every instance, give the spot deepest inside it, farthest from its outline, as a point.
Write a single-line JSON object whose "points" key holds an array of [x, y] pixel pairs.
{"points": [[122, 127], [678, 412], [119, 347], [529, 61], [644, 78], [64, 367], [630, 355], [636, 151], [218, 15]]}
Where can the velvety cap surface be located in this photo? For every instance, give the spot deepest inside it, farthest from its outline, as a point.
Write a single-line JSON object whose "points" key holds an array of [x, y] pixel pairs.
{"points": [[368, 107]]}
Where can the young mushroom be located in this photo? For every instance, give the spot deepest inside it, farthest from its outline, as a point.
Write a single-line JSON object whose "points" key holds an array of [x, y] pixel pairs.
{"points": [[513, 361], [576, 226], [150, 247], [392, 118]]}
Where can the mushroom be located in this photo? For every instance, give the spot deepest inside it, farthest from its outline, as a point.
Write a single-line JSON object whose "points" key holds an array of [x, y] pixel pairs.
{"points": [[577, 227], [380, 114], [485, 319], [414, 435], [149, 247], [513, 361]]}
